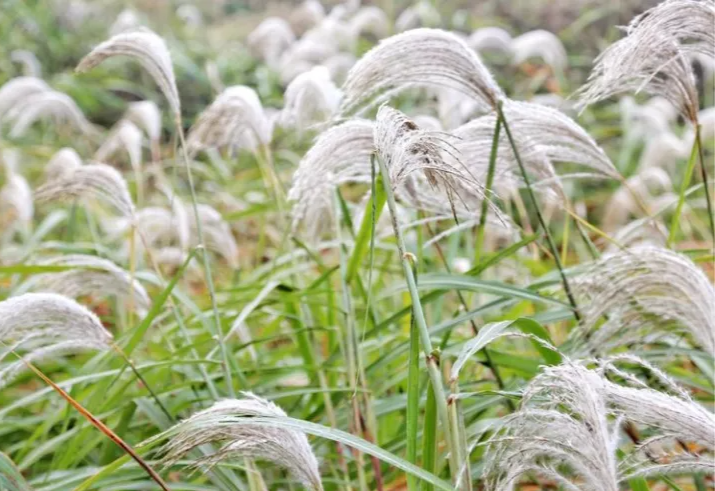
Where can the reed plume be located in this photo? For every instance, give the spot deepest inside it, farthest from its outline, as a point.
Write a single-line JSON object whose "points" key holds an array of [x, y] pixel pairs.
{"points": [[310, 98], [64, 160], [270, 40], [217, 233], [490, 39], [235, 119], [418, 58], [542, 44], [644, 289], [60, 107], [124, 136], [230, 422], [16, 203], [89, 276], [46, 325], [16, 90], [653, 56], [97, 181], [149, 50], [147, 116], [31, 66]]}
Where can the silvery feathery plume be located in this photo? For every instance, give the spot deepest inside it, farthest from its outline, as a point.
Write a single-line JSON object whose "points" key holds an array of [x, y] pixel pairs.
{"points": [[91, 275], [229, 422], [60, 107], [653, 55], [146, 115], [561, 138], [421, 14], [641, 289], [149, 50], [370, 20], [127, 20], [652, 118], [308, 14], [16, 204], [665, 150], [155, 227], [16, 90], [235, 119], [542, 44], [640, 232], [310, 98], [64, 160], [47, 325], [405, 148], [270, 40], [190, 15], [97, 181], [217, 233], [561, 433], [124, 136], [333, 31], [31, 66], [418, 58], [490, 39], [645, 184], [341, 154], [303, 55], [454, 108]]}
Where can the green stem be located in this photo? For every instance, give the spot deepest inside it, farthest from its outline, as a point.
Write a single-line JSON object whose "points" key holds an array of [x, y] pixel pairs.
{"points": [[413, 400], [675, 222], [430, 354], [542, 222], [429, 435], [207, 268], [704, 175], [485, 201], [377, 203]]}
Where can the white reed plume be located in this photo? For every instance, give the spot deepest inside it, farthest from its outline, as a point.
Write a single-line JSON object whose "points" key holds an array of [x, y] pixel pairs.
{"points": [[310, 98], [307, 15], [147, 116], [16, 90], [561, 433], [653, 55], [540, 44], [89, 276], [64, 160], [645, 184], [418, 58], [190, 15], [339, 155], [97, 181], [270, 40], [421, 14], [235, 119], [562, 139], [405, 148], [60, 107], [156, 227], [370, 20], [230, 422], [217, 233], [16, 204], [333, 31], [149, 50], [665, 150], [339, 65], [303, 55], [490, 39], [31, 66], [652, 118], [47, 325], [645, 288], [124, 136]]}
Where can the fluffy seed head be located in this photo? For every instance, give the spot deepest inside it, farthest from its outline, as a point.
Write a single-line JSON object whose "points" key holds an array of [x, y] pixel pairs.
{"points": [[149, 50], [60, 107], [64, 160], [229, 422], [47, 325], [124, 136], [643, 289], [97, 181], [310, 98], [542, 44], [91, 276], [270, 39], [217, 233], [16, 90], [418, 58], [147, 116], [16, 205], [370, 20], [489, 39], [236, 119], [31, 66]]}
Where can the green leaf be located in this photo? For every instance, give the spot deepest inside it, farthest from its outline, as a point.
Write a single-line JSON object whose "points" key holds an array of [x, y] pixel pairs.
{"points": [[10, 477]]}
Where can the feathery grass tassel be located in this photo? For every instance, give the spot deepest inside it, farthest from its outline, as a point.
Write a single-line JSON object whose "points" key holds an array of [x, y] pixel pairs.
{"points": [[229, 421], [542, 222]]}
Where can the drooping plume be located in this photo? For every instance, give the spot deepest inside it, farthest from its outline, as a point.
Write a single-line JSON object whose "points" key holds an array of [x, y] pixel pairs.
{"points": [[540, 44], [149, 50], [57, 106], [97, 181], [89, 275], [418, 58], [644, 290], [230, 422], [45, 325], [16, 90], [270, 40], [654, 55], [235, 119], [310, 98]]}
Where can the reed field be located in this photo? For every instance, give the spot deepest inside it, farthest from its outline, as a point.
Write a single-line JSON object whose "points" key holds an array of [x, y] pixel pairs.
{"points": [[360, 246]]}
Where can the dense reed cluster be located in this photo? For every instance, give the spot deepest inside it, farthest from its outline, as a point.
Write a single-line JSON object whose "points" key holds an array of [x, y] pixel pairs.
{"points": [[357, 247]]}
